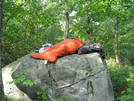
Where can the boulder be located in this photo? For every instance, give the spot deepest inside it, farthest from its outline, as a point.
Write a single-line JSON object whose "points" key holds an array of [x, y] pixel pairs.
{"points": [[81, 77]]}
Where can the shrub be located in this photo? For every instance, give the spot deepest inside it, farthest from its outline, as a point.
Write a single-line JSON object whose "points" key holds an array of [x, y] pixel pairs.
{"points": [[128, 95], [122, 78]]}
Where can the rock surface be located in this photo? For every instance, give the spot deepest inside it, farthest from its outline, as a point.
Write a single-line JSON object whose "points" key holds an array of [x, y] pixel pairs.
{"points": [[82, 77]]}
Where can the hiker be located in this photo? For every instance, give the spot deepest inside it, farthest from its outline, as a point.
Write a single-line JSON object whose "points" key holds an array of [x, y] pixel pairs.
{"points": [[68, 46]]}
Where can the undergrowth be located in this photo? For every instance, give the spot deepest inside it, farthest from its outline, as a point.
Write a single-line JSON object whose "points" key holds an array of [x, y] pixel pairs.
{"points": [[122, 80]]}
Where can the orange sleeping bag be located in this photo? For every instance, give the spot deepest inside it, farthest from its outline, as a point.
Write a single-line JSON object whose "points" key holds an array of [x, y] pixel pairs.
{"points": [[68, 46]]}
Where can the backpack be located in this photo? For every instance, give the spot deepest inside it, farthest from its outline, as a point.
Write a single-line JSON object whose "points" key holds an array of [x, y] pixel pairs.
{"points": [[91, 49]]}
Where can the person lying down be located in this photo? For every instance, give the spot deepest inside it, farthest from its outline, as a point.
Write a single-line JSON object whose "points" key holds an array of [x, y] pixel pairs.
{"points": [[68, 46]]}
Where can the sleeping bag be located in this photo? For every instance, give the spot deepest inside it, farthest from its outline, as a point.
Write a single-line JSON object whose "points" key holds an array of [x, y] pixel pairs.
{"points": [[68, 46]]}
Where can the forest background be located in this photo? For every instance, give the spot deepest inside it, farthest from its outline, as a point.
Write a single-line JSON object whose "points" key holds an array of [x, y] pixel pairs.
{"points": [[28, 24]]}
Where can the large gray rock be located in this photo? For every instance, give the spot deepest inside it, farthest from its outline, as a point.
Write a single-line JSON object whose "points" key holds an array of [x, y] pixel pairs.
{"points": [[82, 77]]}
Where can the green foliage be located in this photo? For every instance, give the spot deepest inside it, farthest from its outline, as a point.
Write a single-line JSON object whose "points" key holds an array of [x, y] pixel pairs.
{"points": [[64, 98], [128, 95], [8, 99], [130, 79], [43, 94], [3, 99], [122, 79], [28, 24], [22, 78]]}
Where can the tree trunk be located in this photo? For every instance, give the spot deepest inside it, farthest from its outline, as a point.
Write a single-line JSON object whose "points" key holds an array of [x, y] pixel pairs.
{"points": [[67, 21], [115, 43], [94, 33], [1, 83], [88, 32], [25, 36]]}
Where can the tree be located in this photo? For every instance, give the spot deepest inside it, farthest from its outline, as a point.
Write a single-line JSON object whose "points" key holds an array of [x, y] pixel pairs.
{"points": [[29, 24], [1, 84], [115, 43], [26, 26], [67, 21]]}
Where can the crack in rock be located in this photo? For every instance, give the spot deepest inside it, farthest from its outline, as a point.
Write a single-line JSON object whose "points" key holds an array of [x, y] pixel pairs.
{"points": [[50, 75], [82, 79]]}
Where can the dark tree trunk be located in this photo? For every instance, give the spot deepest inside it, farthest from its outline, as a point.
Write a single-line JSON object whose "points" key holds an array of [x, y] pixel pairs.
{"points": [[88, 31], [67, 21], [1, 83], [94, 33]]}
